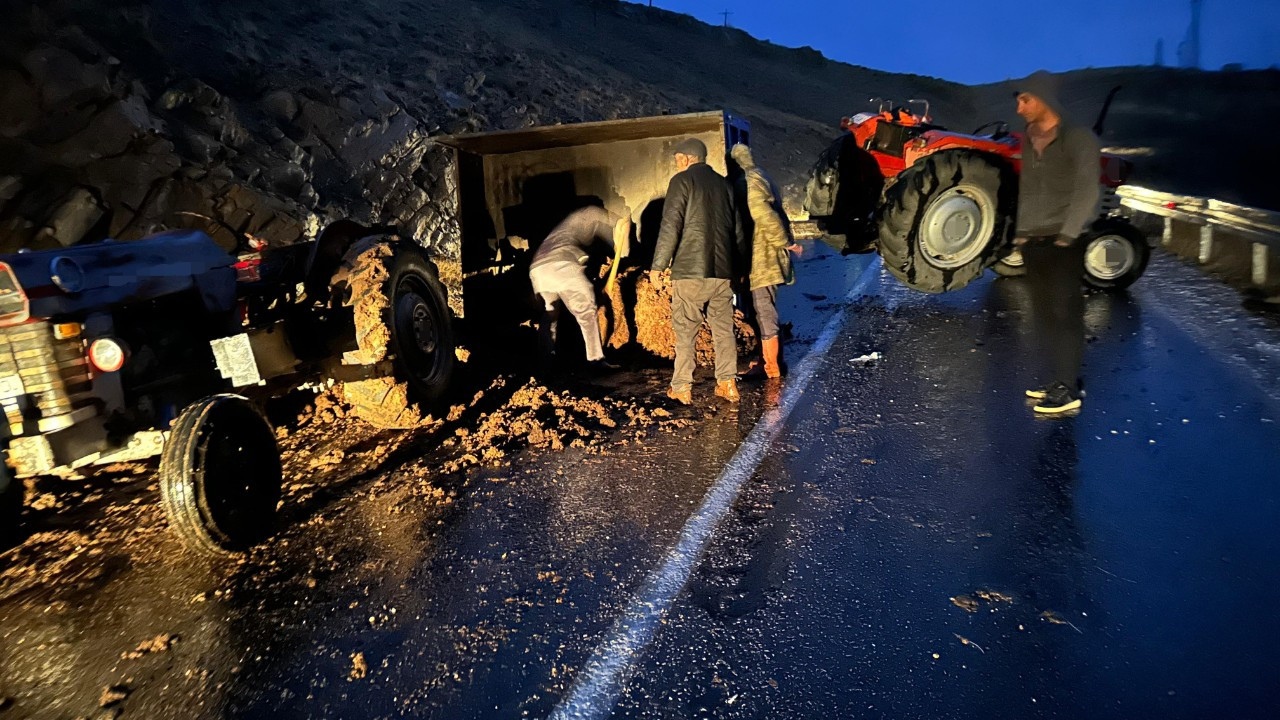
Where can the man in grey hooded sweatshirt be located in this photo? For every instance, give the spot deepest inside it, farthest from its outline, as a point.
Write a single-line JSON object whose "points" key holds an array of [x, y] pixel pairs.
{"points": [[1058, 196]]}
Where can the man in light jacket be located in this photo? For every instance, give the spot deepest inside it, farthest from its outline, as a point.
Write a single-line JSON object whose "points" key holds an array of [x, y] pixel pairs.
{"points": [[771, 248]]}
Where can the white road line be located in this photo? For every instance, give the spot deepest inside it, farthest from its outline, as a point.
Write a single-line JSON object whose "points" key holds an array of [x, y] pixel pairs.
{"points": [[595, 692]]}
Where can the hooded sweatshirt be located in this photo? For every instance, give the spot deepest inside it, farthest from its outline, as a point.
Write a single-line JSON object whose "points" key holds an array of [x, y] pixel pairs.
{"points": [[1058, 191]]}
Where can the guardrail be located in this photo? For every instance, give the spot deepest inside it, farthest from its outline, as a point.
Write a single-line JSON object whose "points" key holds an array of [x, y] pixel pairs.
{"points": [[1259, 227]]}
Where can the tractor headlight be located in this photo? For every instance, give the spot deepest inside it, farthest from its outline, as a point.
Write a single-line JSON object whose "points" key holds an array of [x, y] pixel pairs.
{"points": [[107, 354]]}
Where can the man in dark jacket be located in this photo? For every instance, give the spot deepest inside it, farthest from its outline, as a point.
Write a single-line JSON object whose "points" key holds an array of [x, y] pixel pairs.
{"points": [[702, 243], [1058, 195]]}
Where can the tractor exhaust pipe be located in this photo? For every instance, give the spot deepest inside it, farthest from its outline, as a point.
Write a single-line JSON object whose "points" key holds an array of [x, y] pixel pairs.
{"points": [[1106, 107]]}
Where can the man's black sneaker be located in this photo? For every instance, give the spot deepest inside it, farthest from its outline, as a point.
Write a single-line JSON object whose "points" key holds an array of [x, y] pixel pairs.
{"points": [[1058, 400]]}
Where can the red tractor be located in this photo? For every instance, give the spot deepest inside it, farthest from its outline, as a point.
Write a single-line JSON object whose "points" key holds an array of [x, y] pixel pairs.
{"points": [[939, 206]]}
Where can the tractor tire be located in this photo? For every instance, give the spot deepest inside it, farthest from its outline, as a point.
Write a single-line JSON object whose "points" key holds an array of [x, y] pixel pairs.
{"points": [[220, 476], [1116, 254], [1011, 265], [947, 219], [401, 314]]}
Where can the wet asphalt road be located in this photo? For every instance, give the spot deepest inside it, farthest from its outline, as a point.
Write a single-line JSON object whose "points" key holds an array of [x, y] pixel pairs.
{"points": [[1118, 564]]}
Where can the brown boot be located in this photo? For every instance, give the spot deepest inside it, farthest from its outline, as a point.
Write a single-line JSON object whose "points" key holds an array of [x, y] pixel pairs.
{"points": [[728, 389], [769, 348], [684, 397]]}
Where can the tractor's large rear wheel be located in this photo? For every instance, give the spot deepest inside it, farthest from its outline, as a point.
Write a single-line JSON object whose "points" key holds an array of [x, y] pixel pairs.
{"points": [[947, 219], [401, 315], [1115, 255]]}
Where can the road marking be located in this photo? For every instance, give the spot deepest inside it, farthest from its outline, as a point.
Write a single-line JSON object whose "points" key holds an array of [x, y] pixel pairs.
{"points": [[595, 692]]}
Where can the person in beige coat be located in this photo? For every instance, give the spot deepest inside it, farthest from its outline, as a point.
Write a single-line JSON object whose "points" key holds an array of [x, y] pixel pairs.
{"points": [[771, 248]]}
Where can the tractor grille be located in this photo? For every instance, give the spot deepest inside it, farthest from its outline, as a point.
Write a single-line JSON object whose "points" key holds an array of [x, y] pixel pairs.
{"points": [[38, 369]]}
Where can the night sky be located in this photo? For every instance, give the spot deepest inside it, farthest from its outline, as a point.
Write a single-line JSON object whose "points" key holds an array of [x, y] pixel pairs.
{"points": [[978, 42]]}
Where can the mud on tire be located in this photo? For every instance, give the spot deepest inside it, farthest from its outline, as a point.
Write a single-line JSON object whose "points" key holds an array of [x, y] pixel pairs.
{"points": [[220, 476], [402, 315], [946, 219]]}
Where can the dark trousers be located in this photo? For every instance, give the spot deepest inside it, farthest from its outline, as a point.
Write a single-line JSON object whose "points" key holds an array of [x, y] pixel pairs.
{"points": [[1057, 305]]}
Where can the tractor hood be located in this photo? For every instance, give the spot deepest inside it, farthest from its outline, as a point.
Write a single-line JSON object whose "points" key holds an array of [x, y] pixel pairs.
{"points": [[82, 279]]}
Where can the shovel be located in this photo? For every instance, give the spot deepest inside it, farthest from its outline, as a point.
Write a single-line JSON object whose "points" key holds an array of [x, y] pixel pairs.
{"points": [[621, 247]]}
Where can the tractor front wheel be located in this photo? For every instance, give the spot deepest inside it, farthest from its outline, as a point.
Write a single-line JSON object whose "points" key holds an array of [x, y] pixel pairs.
{"points": [[220, 476], [946, 219], [1116, 254]]}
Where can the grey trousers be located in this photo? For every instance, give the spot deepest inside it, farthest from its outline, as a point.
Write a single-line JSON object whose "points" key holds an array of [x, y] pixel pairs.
{"points": [[565, 283], [765, 300], [693, 301]]}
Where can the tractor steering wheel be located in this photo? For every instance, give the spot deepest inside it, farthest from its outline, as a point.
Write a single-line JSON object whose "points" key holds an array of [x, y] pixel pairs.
{"points": [[1001, 129]]}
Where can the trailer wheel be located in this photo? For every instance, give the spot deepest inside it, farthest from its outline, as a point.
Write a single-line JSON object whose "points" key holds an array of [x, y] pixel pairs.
{"points": [[401, 314], [220, 476], [946, 219], [1011, 265], [1116, 254]]}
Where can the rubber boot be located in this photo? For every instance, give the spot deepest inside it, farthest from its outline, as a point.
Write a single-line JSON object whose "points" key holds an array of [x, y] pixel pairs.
{"points": [[769, 348]]}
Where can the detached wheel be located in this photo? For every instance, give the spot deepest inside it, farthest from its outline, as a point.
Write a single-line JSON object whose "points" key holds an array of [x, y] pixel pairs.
{"points": [[402, 315], [1011, 265], [1116, 254], [946, 219], [220, 476]]}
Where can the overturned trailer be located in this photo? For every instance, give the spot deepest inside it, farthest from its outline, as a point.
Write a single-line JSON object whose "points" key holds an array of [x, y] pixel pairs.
{"points": [[513, 186]]}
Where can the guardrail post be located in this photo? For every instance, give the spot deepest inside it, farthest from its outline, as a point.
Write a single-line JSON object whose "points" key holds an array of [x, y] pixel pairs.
{"points": [[1167, 238], [1260, 262], [1206, 243]]}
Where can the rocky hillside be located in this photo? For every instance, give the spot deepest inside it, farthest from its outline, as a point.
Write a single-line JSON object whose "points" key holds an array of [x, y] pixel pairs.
{"points": [[270, 118]]}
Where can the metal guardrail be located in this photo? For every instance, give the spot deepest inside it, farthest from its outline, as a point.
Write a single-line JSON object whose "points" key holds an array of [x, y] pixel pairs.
{"points": [[1257, 226]]}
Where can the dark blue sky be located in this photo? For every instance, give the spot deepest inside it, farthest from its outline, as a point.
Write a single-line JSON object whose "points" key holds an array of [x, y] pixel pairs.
{"points": [[987, 41]]}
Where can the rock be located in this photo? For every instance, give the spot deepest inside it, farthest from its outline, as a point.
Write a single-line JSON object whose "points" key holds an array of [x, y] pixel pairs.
{"points": [[62, 77], [113, 695], [10, 186], [473, 83], [19, 103], [73, 218], [280, 104]]}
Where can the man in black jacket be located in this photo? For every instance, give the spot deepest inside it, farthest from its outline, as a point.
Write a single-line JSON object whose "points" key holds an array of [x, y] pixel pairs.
{"points": [[1058, 194], [702, 243]]}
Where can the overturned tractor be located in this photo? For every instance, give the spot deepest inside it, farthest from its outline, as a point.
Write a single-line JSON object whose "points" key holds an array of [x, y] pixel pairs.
{"points": [[939, 206]]}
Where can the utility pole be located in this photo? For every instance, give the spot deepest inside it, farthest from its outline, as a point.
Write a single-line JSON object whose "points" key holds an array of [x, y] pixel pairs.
{"points": [[726, 15], [1189, 49]]}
